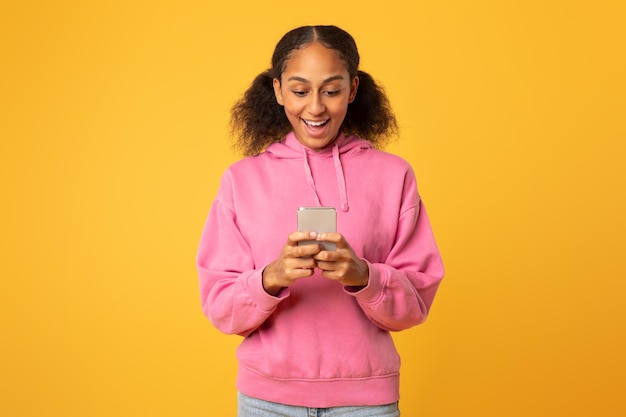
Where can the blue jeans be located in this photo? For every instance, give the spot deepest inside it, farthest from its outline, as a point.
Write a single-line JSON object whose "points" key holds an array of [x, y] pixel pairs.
{"points": [[253, 407]]}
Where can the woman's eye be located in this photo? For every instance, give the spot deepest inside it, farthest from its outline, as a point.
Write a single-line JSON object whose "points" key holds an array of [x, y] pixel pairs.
{"points": [[331, 93], [299, 93]]}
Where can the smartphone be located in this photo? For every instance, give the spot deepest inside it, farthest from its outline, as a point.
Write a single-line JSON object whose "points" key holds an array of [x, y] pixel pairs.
{"points": [[317, 219]]}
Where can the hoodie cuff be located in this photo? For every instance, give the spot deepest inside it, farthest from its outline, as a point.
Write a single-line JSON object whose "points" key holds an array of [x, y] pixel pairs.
{"points": [[373, 291], [264, 301]]}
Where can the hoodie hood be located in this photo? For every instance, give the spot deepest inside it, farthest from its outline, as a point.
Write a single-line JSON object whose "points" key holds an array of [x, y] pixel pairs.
{"points": [[291, 148]]}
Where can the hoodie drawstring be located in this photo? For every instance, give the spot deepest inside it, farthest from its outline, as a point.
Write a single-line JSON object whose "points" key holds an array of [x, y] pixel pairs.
{"points": [[341, 180], [309, 176]]}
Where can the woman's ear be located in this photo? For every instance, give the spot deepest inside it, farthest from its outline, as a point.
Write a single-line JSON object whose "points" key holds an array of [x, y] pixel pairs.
{"points": [[278, 92], [353, 88]]}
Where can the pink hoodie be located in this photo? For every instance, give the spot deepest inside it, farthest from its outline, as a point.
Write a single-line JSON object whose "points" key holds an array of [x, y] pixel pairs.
{"points": [[317, 343]]}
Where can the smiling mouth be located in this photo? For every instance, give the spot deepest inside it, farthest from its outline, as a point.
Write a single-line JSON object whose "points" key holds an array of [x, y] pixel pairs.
{"points": [[316, 123]]}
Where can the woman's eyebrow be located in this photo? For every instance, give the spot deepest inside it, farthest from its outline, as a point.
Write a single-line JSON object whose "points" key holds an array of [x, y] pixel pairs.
{"points": [[304, 80]]}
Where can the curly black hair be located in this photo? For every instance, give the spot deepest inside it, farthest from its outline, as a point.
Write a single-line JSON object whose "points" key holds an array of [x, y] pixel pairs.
{"points": [[257, 120]]}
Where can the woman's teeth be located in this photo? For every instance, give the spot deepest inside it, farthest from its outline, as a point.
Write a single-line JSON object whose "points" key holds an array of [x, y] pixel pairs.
{"points": [[315, 124]]}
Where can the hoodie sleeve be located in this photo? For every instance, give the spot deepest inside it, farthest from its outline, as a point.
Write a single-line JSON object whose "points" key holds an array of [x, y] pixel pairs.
{"points": [[231, 289], [401, 290]]}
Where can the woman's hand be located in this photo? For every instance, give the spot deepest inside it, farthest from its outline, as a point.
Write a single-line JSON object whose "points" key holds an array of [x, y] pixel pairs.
{"points": [[341, 265], [295, 262]]}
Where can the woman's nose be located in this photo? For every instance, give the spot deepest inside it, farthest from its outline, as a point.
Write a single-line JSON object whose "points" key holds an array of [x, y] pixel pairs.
{"points": [[316, 105]]}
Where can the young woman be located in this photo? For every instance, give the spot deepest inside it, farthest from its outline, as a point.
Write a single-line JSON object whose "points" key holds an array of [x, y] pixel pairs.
{"points": [[316, 323]]}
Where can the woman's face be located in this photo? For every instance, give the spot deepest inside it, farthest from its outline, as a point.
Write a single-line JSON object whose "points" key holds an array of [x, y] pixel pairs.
{"points": [[315, 90]]}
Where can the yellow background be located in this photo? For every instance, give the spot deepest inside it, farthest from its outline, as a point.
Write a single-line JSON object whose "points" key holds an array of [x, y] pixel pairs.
{"points": [[113, 126]]}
